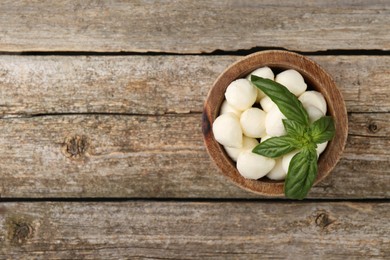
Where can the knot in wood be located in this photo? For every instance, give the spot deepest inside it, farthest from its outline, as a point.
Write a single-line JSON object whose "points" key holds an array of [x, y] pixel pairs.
{"points": [[76, 146], [22, 232], [323, 220], [372, 127], [19, 230]]}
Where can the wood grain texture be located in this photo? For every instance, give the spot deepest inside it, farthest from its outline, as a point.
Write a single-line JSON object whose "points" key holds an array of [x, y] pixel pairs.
{"points": [[172, 230], [129, 126], [192, 26], [157, 157], [158, 84]]}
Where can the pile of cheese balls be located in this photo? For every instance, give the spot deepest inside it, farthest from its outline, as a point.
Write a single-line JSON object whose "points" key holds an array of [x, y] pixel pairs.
{"points": [[248, 116]]}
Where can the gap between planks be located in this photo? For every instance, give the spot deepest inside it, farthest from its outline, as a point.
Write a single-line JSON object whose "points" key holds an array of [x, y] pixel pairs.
{"points": [[218, 52], [191, 200], [24, 116], [180, 114]]}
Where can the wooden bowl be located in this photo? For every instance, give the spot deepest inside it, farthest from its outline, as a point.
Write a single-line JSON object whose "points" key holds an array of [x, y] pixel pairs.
{"points": [[316, 79]]}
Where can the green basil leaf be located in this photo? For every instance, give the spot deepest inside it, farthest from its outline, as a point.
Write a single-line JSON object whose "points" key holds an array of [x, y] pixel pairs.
{"points": [[294, 129], [276, 146], [287, 102], [301, 174], [322, 130]]}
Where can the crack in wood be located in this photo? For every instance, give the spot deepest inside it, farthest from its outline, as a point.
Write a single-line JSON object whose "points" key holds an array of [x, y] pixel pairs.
{"points": [[26, 116]]}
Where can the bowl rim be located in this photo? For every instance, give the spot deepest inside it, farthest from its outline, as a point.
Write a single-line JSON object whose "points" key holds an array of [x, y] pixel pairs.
{"points": [[279, 60]]}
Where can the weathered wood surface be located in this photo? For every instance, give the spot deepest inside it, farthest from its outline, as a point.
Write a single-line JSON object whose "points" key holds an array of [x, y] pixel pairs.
{"points": [[185, 230], [129, 126], [159, 156], [145, 155], [158, 84], [192, 26]]}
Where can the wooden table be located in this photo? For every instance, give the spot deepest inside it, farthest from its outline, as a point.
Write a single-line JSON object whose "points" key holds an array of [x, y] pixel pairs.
{"points": [[101, 151]]}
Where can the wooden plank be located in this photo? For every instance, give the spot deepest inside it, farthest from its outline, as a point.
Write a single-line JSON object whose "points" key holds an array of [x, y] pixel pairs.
{"points": [[157, 84], [167, 230], [156, 157], [192, 26]]}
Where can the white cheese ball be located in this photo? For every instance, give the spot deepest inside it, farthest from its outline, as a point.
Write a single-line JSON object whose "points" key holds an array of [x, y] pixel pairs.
{"points": [[241, 94], [277, 173], [321, 148], [226, 108], [264, 72], [247, 144], [313, 98], [274, 124], [265, 138], [227, 130], [314, 113], [267, 104], [287, 159], [254, 166], [292, 80], [253, 122]]}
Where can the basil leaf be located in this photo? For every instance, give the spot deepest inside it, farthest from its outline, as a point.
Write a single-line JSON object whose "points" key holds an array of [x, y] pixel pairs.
{"points": [[322, 130], [301, 174], [294, 129], [276, 146], [287, 102]]}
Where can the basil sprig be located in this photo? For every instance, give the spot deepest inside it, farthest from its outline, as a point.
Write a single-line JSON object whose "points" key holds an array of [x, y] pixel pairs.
{"points": [[301, 135], [277, 146], [301, 174], [287, 102]]}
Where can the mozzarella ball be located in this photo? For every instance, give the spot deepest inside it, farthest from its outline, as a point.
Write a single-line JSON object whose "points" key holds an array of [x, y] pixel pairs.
{"points": [[293, 81], [265, 138], [247, 144], [254, 166], [265, 73], [287, 159], [253, 122], [321, 148], [226, 108], [314, 113], [241, 94], [313, 98], [277, 173], [274, 124], [267, 104], [227, 130]]}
